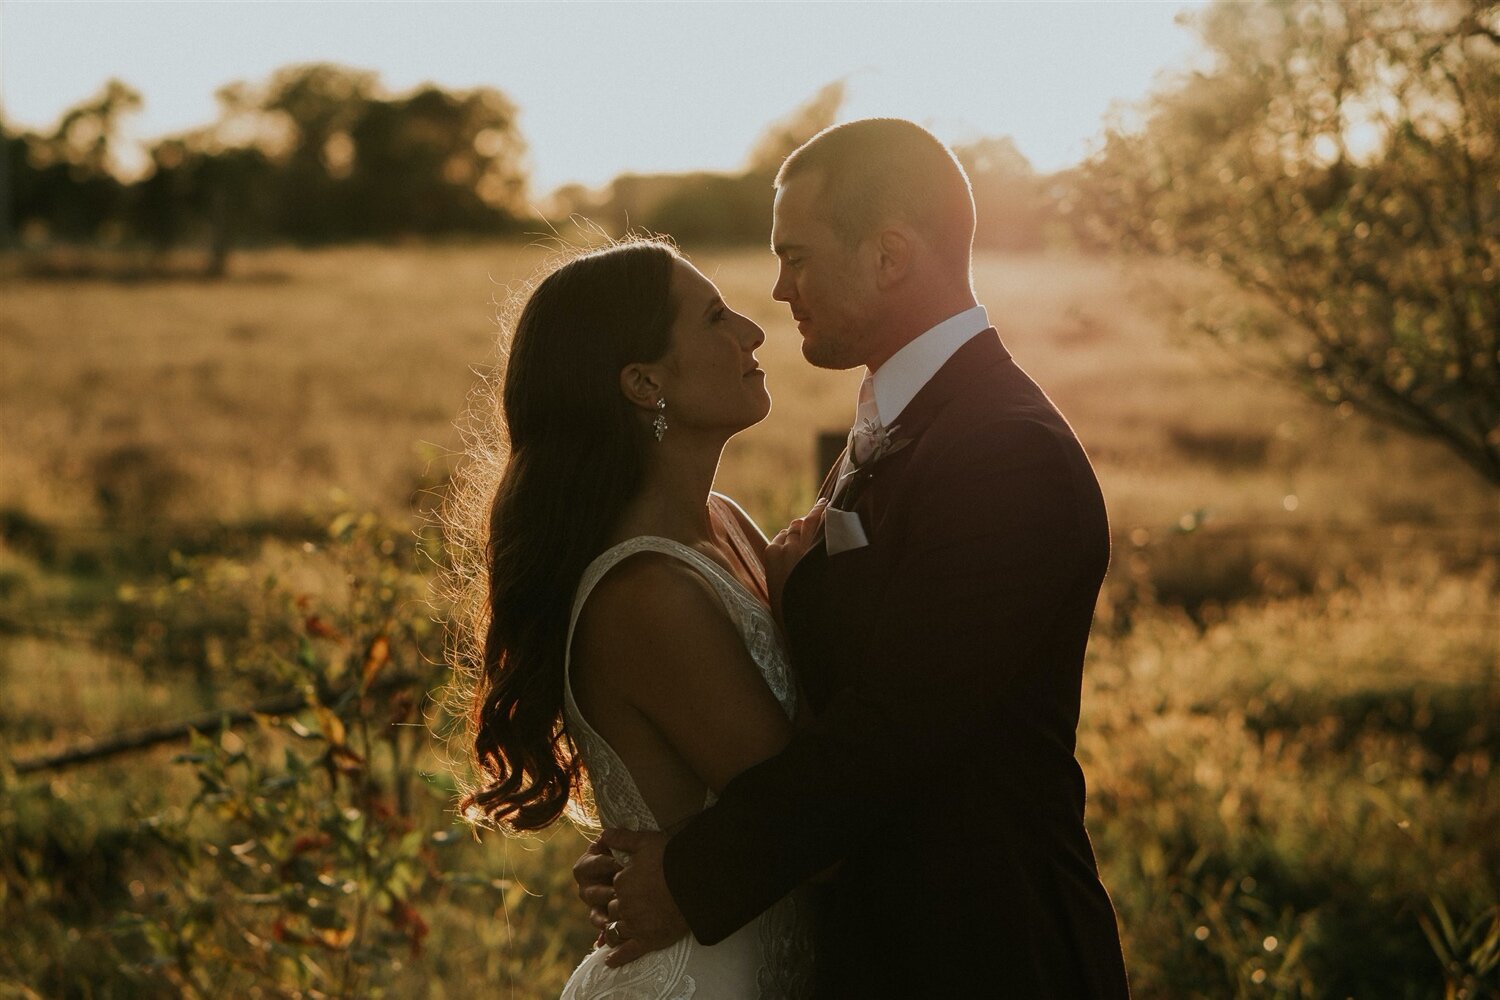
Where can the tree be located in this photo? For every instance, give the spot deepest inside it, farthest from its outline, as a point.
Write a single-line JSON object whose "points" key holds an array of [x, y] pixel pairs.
{"points": [[201, 189], [362, 164], [1342, 163], [736, 209], [321, 103], [434, 162], [67, 181], [783, 136], [6, 172], [87, 133], [707, 207], [1011, 207], [319, 153]]}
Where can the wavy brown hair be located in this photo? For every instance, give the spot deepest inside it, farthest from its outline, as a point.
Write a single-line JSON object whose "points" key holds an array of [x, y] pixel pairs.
{"points": [[570, 456]]}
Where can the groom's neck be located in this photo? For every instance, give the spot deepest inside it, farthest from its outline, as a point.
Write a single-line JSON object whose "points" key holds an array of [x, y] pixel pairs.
{"points": [[913, 314]]}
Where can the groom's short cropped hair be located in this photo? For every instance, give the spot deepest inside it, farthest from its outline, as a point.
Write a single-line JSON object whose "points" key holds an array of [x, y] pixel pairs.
{"points": [[881, 169]]}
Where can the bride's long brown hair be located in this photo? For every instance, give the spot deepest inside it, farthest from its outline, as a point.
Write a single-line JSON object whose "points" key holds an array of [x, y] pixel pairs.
{"points": [[571, 455]]}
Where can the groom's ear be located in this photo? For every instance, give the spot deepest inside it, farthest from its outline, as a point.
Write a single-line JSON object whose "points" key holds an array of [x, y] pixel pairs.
{"points": [[894, 247], [641, 385]]}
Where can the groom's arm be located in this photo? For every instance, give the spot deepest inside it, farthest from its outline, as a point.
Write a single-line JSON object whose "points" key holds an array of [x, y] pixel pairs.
{"points": [[996, 543]]}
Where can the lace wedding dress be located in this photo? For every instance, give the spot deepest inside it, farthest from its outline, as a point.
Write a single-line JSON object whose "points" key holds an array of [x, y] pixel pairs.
{"points": [[771, 957]]}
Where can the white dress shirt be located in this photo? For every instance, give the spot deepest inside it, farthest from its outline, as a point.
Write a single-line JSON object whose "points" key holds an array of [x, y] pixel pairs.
{"points": [[898, 381], [887, 391]]}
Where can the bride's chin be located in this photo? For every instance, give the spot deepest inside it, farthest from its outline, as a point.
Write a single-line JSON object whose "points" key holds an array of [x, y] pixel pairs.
{"points": [[763, 415]]}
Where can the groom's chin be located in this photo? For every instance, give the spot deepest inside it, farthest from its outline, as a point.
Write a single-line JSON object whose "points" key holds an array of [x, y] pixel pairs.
{"points": [[822, 356]]}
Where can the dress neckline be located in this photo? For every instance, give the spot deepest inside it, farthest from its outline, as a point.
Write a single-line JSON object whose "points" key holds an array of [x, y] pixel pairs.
{"points": [[635, 803], [712, 564]]}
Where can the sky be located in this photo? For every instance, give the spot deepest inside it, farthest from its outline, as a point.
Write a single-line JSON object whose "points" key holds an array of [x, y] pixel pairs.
{"points": [[606, 88]]}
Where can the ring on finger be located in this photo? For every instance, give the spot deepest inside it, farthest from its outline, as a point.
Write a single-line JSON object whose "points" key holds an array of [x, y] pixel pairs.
{"points": [[612, 935]]}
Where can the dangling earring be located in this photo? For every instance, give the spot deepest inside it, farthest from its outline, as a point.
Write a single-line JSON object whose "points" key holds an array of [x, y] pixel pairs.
{"points": [[659, 425]]}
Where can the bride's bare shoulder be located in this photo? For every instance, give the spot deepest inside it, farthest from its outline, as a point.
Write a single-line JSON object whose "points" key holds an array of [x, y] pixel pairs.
{"points": [[641, 582], [656, 642], [638, 602]]}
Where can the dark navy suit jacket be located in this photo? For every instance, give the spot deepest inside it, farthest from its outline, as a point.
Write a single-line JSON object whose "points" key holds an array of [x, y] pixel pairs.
{"points": [[943, 663]]}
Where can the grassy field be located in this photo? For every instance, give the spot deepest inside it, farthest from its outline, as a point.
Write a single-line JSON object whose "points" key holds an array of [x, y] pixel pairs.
{"points": [[214, 492]]}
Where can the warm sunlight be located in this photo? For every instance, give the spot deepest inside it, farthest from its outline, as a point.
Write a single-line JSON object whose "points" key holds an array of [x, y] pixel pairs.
{"points": [[606, 88], [757, 501]]}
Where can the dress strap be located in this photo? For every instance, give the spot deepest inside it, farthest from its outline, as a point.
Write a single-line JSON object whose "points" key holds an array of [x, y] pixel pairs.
{"points": [[723, 585], [612, 557]]}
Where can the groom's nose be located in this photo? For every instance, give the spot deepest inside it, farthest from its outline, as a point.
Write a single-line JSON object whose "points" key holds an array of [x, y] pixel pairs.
{"points": [[782, 290]]}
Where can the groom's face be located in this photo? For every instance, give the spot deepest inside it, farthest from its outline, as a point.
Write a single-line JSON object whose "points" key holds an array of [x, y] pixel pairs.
{"points": [[826, 282]]}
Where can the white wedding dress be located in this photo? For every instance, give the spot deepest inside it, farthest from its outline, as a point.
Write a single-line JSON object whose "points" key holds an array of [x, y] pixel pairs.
{"points": [[771, 957]]}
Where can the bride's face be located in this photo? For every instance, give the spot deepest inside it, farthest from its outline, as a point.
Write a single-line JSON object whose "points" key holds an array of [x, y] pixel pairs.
{"points": [[711, 379]]}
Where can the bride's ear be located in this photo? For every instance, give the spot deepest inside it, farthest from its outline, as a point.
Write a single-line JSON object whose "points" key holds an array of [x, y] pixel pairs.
{"points": [[641, 385]]}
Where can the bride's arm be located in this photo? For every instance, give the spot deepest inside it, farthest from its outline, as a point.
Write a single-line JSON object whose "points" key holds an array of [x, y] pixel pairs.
{"points": [[654, 636], [779, 556]]}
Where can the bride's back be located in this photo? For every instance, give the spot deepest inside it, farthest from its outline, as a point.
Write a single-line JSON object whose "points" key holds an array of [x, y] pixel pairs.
{"points": [[676, 681], [676, 665], [606, 678]]}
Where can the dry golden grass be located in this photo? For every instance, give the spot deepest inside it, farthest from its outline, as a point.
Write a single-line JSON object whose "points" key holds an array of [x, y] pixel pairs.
{"points": [[312, 379], [1289, 699]]}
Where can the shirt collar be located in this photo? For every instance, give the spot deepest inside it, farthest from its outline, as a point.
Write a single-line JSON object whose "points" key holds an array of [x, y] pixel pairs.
{"points": [[898, 381]]}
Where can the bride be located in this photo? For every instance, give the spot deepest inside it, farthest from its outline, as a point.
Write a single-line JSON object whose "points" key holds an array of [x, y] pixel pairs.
{"points": [[627, 632]]}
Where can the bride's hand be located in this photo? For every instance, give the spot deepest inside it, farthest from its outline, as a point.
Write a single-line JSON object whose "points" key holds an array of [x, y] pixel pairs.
{"points": [[789, 545], [643, 915], [595, 872]]}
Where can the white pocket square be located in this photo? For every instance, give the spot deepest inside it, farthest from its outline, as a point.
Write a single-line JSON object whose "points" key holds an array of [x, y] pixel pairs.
{"points": [[843, 530]]}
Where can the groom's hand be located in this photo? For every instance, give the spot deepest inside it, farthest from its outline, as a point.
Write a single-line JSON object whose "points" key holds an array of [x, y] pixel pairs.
{"points": [[643, 912], [595, 872], [790, 544]]}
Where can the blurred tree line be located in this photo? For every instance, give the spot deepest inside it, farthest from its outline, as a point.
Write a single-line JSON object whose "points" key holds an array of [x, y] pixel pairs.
{"points": [[320, 154], [1017, 207], [316, 154], [1338, 162]]}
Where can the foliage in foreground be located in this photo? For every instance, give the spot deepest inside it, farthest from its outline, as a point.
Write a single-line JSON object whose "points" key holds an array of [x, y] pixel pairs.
{"points": [[1284, 799], [1292, 796], [316, 851]]}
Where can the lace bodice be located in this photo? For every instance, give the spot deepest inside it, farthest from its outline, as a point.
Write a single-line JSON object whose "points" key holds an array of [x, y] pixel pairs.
{"points": [[617, 800], [771, 957]]}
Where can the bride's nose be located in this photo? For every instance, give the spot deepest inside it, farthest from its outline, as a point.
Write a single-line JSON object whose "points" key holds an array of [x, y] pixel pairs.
{"points": [[755, 336]]}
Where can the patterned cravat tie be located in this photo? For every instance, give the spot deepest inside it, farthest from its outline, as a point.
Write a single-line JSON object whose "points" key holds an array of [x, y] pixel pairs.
{"points": [[864, 443], [865, 437]]}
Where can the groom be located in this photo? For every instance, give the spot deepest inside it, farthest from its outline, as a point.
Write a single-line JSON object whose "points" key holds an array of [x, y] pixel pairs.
{"points": [[938, 626]]}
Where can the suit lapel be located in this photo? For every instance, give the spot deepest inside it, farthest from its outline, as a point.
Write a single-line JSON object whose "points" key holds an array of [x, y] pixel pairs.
{"points": [[978, 355], [825, 596], [831, 480]]}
